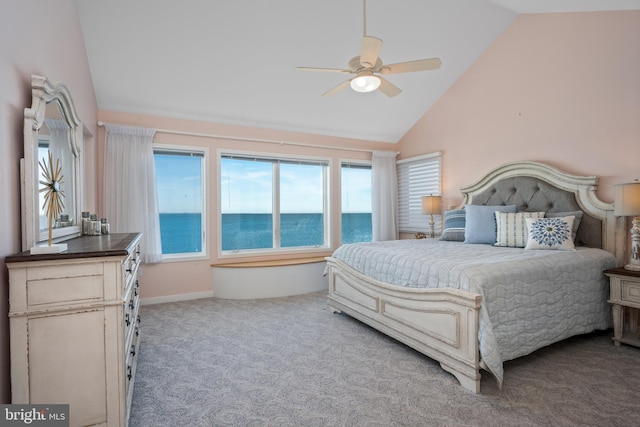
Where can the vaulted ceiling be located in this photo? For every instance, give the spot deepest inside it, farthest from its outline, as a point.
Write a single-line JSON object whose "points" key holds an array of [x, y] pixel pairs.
{"points": [[235, 62]]}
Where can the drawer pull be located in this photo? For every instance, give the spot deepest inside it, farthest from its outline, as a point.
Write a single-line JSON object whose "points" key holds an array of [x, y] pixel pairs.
{"points": [[126, 319], [138, 319], [137, 332], [131, 304], [133, 350], [129, 372]]}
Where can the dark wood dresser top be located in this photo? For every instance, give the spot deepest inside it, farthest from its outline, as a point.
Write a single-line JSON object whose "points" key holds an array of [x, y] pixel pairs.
{"points": [[120, 244]]}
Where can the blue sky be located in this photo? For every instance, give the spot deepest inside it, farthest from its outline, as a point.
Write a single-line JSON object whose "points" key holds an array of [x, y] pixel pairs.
{"points": [[356, 190], [246, 187], [178, 180]]}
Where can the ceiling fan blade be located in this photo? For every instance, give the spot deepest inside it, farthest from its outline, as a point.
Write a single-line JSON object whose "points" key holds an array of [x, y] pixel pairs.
{"points": [[370, 51], [337, 89], [410, 66], [388, 88], [326, 70]]}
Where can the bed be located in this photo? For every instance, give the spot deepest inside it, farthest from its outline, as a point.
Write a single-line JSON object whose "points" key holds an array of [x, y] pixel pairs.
{"points": [[473, 306]]}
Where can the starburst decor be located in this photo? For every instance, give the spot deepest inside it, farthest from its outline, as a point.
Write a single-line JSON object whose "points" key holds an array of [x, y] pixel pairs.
{"points": [[52, 181]]}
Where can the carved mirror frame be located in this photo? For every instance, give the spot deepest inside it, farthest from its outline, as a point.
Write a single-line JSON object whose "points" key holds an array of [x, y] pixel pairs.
{"points": [[43, 92]]}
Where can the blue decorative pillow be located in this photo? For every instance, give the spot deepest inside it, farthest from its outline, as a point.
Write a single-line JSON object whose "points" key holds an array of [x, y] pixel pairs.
{"points": [[550, 233], [481, 223], [454, 224]]}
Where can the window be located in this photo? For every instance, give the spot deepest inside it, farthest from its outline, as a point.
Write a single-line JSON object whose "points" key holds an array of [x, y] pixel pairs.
{"points": [[355, 188], [269, 203], [180, 179], [417, 177]]}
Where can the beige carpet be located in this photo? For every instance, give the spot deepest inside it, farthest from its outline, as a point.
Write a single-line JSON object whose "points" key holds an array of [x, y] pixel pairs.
{"points": [[290, 362]]}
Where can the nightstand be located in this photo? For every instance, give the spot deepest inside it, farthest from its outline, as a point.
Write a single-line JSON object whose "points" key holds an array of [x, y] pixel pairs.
{"points": [[624, 297]]}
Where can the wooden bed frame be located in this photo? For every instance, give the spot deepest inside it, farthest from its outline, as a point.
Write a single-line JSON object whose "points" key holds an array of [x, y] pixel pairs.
{"points": [[443, 323]]}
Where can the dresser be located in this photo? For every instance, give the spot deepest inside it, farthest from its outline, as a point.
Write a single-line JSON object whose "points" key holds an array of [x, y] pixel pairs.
{"points": [[625, 302], [75, 327]]}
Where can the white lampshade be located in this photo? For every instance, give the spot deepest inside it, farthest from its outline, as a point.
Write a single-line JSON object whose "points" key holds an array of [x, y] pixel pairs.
{"points": [[365, 82], [431, 205], [627, 199]]}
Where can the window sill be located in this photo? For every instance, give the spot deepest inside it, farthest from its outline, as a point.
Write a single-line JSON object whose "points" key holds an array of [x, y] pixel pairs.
{"points": [[181, 258], [270, 263]]}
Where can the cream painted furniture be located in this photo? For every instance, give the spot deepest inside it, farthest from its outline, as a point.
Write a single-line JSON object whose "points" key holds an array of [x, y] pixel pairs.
{"points": [[75, 327], [625, 299], [443, 323]]}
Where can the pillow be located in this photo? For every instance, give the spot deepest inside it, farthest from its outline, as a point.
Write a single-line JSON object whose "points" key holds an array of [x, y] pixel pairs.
{"points": [[576, 221], [511, 228], [453, 229], [481, 223], [550, 233]]}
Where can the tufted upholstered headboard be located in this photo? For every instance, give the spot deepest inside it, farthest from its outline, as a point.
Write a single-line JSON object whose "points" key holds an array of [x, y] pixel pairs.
{"points": [[535, 195], [533, 186]]}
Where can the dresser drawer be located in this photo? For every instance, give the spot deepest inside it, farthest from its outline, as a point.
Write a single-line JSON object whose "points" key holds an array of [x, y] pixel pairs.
{"points": [[50, 284], [131, 321], [67, 290], [630, 291], [130, 266]]}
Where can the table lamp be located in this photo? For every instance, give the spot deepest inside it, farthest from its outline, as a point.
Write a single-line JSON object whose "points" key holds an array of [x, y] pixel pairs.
{"points": [[627, 203], [431, 205]]}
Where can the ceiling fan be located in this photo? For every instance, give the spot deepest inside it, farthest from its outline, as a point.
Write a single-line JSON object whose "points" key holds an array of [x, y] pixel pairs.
{"points": [[368, 67]]}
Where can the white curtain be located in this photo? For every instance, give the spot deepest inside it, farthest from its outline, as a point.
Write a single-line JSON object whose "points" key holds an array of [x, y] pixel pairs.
{"points": [[384, 200], [130, 195]]}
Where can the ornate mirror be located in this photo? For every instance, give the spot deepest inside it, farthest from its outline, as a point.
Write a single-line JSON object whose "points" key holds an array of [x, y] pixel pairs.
{"points": [[51, 125]]}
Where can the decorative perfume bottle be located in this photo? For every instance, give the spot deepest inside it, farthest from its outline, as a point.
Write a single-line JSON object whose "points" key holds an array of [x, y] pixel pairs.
{"points": [[104, 226], [94, 225], [85, 223]]}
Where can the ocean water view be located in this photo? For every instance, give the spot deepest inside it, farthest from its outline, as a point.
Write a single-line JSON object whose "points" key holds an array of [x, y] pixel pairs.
{"points": [[181, 232]]}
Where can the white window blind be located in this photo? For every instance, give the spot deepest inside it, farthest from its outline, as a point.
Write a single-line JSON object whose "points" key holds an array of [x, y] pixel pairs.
{"points": [[417, 177]]}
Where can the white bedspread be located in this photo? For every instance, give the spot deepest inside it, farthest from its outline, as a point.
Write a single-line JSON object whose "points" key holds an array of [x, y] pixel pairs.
{"points": [[530, 298]]}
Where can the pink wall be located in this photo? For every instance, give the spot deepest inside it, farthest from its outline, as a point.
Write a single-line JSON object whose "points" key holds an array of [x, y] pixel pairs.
{"points": [[38, 37], [184, 277], [563, 89]]}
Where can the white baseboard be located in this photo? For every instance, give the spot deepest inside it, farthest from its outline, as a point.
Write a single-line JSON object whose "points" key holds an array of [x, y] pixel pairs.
{"points": [[174, 298]]}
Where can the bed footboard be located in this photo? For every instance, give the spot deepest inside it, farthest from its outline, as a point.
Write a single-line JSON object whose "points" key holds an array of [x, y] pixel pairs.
{"points": [[440, 323]]}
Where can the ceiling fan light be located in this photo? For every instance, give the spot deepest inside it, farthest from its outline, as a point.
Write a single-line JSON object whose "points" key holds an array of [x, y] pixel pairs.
{"points": [[365, 82]]}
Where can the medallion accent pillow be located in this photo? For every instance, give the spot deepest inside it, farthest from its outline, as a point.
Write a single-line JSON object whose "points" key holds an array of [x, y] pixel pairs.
{"points": [[550, 233]]}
